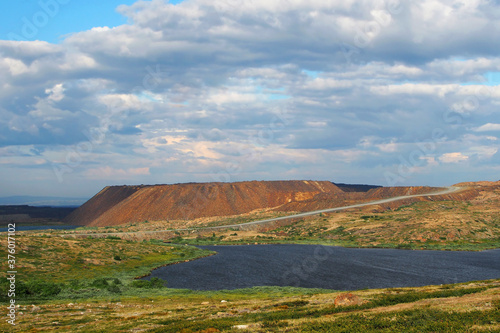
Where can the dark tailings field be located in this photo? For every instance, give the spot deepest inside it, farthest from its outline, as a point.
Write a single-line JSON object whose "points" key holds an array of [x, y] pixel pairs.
{"points": [[316, 266]]}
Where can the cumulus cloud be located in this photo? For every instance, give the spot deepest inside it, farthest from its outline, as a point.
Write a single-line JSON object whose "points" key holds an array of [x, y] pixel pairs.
{"points": [[453, 158], [488, 128], [235, 90]]}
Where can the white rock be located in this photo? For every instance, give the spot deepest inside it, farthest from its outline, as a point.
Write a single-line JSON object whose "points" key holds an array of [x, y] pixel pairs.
{"points": [[241, 327]]}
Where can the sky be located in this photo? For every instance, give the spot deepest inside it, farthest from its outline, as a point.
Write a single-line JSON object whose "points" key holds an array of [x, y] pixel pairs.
{"points": [[388, 92]]}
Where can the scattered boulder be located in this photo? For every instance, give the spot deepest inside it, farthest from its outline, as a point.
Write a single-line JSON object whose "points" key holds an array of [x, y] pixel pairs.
{"points": [[241, 327], [246, 327], [347, 299]]}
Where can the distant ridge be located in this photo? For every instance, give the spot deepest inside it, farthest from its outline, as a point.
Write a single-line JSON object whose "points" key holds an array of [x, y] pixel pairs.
{"points": [[25, 213], [42, 201], [356, 187]]}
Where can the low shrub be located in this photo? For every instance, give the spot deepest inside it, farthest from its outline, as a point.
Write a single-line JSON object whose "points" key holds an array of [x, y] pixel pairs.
{"points": [[154, 283], [114, 289], [100, 283], [112, 237], [42, 288]]}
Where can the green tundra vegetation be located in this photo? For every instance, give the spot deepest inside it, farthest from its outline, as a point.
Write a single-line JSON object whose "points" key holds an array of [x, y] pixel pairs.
{"points": [[89, 285]]}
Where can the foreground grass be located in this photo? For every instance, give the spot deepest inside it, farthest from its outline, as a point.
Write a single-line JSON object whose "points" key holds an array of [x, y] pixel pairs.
{"points": [[469, 307]]}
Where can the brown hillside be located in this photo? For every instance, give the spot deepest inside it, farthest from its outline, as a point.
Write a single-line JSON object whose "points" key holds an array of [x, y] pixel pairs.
{"points": [[324, 200], [116, 205], [106, 199]]}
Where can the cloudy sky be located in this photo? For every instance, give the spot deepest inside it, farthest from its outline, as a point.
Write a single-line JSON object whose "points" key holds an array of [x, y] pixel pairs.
{"points": [[382, 92]]}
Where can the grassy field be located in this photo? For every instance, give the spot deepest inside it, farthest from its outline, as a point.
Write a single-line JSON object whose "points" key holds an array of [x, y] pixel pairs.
{"points": [[87, 285], [51, 266]]}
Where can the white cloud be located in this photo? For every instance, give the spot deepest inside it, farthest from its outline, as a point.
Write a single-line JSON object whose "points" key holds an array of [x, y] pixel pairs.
{"points": [[405, 70], [16, 67], [414, 89], [453, 158], [78, 61], [322, 84], [56, 93], [316, 123], [390, 147], [489, 127], [122, 102], [224, 97]]}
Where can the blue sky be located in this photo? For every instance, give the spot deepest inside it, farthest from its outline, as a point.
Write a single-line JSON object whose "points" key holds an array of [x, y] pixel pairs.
{"points": [[66, 17], [98, 93]]}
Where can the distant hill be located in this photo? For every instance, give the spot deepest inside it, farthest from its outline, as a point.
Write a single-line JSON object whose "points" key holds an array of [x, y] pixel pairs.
{"points": [[123, 204], [42, 201], [25, 213], [356, 187]]}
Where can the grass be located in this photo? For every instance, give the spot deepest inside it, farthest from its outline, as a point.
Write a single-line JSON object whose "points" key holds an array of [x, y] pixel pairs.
{"points": [[298, 309], [79, 285], [480, 245], [415, 320], [461, 307]]}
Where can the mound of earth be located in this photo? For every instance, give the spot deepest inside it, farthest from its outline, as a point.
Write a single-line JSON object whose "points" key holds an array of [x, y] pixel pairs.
{"points": [[115, 205]]}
